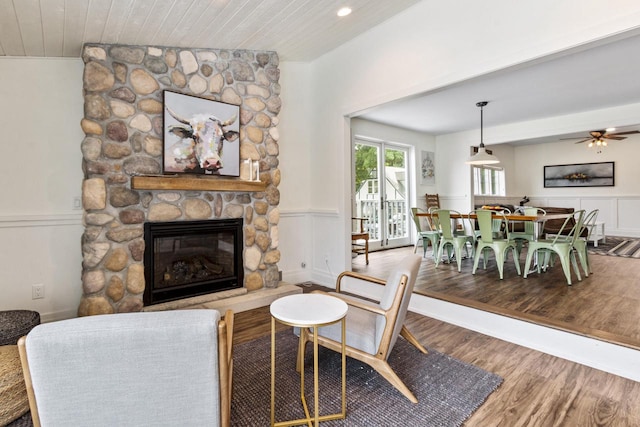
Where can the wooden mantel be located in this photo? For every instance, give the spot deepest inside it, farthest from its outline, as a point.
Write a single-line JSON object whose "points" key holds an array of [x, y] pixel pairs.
{"points": [[204, 183]]}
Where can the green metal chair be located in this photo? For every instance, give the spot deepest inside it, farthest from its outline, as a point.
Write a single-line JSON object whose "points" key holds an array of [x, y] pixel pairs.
{"points": [[580, 243], [529, 229], [450, 238], [561, 245], [497, 225], [425, 236], [487, 240]]}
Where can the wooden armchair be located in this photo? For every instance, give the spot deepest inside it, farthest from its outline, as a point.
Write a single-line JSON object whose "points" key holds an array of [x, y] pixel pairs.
{"points": [[360, 235], [372, 329], [159, 368]]}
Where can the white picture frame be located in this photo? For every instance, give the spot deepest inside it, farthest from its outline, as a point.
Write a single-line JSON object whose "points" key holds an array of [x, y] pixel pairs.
{"points": [[427, 167]]}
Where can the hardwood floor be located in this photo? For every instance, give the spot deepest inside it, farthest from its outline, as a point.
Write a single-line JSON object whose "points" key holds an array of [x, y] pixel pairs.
{"points": [[606, 305], [538, 389]]}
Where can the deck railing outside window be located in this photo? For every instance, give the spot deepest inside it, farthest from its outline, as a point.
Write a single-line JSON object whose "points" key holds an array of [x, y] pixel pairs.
{"points": [[396, 214]]}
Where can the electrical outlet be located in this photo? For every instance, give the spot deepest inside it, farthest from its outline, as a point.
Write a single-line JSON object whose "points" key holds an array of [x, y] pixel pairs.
{"points": [[37, 291], [77, 203]]}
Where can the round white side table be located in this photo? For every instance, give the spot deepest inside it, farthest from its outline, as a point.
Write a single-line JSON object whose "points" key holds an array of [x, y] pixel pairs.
{"points": [[307, 311]]}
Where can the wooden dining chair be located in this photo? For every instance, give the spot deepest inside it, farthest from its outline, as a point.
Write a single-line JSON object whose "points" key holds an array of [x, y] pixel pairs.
{"points": [[432, 203], [357, 236]]}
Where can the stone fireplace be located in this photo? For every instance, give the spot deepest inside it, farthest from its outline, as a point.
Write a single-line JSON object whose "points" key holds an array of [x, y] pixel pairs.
{"points": [[123, 186]]}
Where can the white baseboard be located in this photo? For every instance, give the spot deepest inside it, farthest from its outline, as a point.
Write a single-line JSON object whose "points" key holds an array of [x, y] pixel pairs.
{"points": [[615, 359], [54, 316]]}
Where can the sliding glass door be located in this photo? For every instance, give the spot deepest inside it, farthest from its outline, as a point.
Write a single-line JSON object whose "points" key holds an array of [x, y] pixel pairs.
{"points": [[381, 191]]}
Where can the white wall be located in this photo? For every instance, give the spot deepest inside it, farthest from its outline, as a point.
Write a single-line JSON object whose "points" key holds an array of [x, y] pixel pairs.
{"points": [[421, 50], [618, 205], [524, 165], [417, 141], [294, 159], [41, 106], [40, 111]]}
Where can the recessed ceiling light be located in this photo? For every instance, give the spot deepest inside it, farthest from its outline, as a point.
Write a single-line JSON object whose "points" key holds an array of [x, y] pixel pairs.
{"points": [[344, 11], [610, 129]]}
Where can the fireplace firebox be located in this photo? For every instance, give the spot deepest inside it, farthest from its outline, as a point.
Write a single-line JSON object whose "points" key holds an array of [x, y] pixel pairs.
{"points": [[190, 258]]}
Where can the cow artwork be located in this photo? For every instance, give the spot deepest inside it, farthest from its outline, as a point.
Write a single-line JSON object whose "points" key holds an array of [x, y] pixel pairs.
{"points": [[195, 137]]}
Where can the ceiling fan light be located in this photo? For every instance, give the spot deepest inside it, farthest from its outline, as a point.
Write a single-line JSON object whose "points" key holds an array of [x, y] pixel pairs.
{"points": [[590, 144], [604, 143]]}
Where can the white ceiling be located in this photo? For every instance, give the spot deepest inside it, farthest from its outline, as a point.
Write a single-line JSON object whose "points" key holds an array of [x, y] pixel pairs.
{"points": [[299, 30], [302, 30], [593, 78]]}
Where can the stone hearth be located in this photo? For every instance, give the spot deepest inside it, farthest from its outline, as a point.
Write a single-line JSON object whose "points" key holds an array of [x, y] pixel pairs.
{"points": [[123, 88]]}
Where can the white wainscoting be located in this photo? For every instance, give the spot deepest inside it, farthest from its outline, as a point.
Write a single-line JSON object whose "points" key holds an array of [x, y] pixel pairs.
{"points": [[41, 249], [294, 243], [619, 213], [628, 216], [310, 243]]}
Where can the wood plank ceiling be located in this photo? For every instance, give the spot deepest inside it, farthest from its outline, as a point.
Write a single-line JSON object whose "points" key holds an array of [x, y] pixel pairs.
{"points": [[299, 30]]}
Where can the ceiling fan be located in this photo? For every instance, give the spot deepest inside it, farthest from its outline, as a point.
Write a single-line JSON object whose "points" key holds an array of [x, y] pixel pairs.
{"points": [[599, 137]]}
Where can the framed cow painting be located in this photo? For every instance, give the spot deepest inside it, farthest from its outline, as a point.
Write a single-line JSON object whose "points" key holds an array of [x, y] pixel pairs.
{"points": [[201, 136]]}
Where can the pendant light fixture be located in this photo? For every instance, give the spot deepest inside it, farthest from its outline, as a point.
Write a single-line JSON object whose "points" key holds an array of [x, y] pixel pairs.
{"points": [[482, 157]]}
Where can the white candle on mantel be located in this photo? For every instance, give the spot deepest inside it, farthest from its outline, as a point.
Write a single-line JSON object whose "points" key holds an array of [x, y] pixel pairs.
{"points": [[250, 163], [257, 162]]}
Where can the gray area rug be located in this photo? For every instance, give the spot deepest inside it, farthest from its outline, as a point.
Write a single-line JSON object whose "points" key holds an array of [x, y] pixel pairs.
{"points": [[627, 247], [23, 421], [448, 390]]}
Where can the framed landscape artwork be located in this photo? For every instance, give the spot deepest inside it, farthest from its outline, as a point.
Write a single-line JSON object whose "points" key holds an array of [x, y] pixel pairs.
{"points": [[580, 175], [200, 136]]}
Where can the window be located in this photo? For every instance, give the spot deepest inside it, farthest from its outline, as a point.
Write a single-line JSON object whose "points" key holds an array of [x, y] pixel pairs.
{"points": [[373, 186], [488, 181]]}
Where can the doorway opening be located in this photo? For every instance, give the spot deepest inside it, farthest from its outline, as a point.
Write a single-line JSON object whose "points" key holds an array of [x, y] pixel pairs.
{"points": [[380, 191]]}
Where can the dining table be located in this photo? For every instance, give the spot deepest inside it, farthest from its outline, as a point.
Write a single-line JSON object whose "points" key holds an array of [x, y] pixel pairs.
{"points": [[511, 217]]}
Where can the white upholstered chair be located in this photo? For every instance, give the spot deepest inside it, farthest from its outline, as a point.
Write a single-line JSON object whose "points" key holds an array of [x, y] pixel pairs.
{"points": [[373, 328], [157, 369]]}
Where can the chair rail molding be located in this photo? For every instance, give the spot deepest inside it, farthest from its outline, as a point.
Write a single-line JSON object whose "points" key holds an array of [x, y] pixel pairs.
{"points": [[49, 220]]}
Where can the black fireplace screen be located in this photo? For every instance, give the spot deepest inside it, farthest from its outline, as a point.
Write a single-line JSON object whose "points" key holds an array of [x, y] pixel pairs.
{"points": [[189, 258]]}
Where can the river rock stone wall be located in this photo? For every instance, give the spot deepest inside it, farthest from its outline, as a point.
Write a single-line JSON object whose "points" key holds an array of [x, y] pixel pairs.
{"points": [[123, 93]]}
